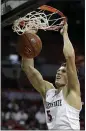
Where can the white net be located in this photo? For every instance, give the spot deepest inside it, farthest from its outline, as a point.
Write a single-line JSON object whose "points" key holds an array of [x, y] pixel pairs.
{"points": [[34, 21]]}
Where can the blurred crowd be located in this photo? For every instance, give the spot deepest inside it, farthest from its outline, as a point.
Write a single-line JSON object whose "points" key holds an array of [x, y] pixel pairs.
{"points": [[21, 114]]}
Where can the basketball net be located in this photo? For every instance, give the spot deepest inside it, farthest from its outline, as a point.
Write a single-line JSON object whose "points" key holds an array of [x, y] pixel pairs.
{"points": [[45, 18]]}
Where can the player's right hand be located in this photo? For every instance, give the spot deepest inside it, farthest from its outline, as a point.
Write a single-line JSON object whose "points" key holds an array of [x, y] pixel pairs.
{"points": [[64, 29]]}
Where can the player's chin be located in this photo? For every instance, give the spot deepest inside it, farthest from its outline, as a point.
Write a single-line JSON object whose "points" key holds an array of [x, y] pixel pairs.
{"points": [[58, 84]]}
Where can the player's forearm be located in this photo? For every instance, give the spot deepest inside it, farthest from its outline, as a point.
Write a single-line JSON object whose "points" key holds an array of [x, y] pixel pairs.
{"points": [[28, 67], [68, 49], [27, 62], [31, 72]]}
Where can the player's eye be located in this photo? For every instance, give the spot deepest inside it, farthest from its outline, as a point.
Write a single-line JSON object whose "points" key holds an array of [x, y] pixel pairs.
{"points": [[63, 71]]}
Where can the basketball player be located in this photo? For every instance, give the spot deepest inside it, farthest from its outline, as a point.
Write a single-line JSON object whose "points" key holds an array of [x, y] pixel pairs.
{"points": [[63, 102]]}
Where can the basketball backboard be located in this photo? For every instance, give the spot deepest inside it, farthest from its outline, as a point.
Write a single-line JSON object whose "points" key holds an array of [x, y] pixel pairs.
{"points": [[12, 10]]}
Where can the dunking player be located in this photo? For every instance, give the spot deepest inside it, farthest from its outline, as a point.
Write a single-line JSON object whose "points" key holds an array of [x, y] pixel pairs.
{"points": [[63, 102]]}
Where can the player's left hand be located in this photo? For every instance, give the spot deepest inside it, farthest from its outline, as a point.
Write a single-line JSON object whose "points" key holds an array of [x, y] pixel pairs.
{"points": [[64, 29]]}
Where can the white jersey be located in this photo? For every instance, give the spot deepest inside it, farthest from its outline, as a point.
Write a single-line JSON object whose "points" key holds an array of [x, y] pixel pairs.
{"points": [[59, 114]]}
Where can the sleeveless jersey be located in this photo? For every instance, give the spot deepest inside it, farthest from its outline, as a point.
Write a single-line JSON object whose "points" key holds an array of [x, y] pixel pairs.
{"points": [[59, 114]]}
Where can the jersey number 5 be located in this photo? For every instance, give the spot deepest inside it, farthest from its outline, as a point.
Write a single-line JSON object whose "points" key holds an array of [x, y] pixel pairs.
{"points": [[49, 116]]}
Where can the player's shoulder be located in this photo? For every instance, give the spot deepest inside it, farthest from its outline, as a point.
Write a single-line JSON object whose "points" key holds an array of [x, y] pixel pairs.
{"points": [[49, 85], [48, 88]]}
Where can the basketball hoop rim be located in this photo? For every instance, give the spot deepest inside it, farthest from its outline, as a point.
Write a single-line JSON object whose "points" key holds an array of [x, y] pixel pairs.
{"points": [[53, 10]]}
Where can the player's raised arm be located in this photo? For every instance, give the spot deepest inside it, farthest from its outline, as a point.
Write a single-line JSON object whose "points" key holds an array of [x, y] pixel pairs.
{"points": [[35, 77], [29, 46], [68, 50]]}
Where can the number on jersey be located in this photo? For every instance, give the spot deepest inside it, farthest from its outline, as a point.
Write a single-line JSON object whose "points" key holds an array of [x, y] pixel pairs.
{"points": [[49, 115]]}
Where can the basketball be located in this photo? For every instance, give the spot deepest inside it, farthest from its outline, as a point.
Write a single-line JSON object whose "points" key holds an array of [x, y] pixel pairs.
{"points": [[29, 45]]}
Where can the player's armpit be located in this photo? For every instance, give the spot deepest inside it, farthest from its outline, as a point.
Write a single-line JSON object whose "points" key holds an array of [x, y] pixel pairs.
{"points": [[73, 82], [37, 80]]}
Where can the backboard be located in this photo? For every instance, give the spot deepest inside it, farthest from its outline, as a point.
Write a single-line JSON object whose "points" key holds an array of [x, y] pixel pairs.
{"points": [[12, 10]]}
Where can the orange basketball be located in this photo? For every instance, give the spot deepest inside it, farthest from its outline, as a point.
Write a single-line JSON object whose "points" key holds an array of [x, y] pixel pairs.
{"points": [[29, 45]]}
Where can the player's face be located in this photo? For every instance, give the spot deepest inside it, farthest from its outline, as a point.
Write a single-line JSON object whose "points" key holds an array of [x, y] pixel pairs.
{"points": [[61, 77]]}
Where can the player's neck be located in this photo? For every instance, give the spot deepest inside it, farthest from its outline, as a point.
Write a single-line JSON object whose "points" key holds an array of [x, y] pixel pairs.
{"points": [[60, 88]]}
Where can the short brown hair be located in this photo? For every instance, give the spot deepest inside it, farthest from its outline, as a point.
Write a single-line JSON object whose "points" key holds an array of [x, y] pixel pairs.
{"points": [[64, 65]]}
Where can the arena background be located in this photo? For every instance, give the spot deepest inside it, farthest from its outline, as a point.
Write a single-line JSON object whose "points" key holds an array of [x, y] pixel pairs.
{"points": [[21, 105]]}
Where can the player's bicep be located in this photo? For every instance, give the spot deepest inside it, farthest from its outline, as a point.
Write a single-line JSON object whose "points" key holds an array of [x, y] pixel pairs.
{"points": [[41, 85], [73, 82], [38, 83]]}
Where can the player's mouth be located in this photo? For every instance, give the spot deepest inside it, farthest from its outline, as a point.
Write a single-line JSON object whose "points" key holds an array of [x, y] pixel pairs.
{"points": [[58, 77]]}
